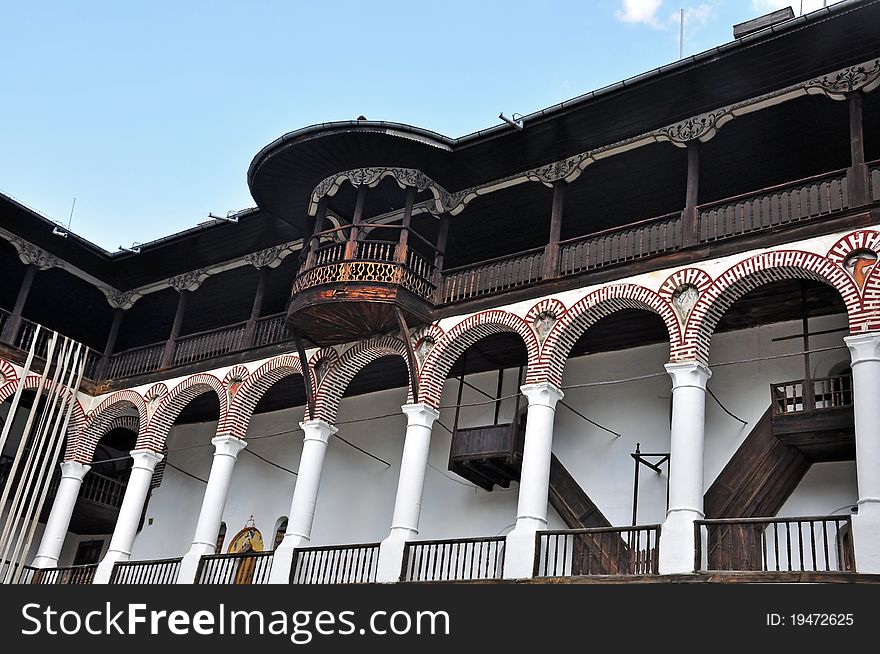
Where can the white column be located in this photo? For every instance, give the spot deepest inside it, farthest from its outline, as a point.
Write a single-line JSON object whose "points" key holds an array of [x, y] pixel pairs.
{"points": [[129, 513], [865, 352], [534, 483], [72, 473], [305, 497], [226, 449], [408, 502], [677, 544]]}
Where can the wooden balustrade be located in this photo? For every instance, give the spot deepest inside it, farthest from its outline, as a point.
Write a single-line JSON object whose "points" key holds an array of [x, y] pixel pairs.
{"points": [[243, 569], [95, 488], [74, 575], [598, 551], [454, 560], [610, 247], [208, 344], [774, 207], [822, 393], [157, 571], [492, 276], [335, 564], [271, 330], [136, 361], [807, 544]]}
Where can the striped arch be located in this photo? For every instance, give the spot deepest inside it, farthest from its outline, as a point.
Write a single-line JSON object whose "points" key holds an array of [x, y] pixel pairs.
{"points": [[8, 373], [352, 361], [31, 383], [748, 275], [170, 406], [589, 310], [453, 343], [116, 406], [245, 400], [862, 240]]}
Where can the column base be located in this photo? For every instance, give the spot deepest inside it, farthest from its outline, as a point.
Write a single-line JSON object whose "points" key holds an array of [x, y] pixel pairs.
{"points": [[677, 544], [519, 548], [282, 560], [189, 564], [390, 566], [866, 537], [105, 567]]}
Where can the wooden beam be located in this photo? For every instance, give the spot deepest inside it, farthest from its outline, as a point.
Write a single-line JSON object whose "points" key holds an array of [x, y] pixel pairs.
{"points": [[251, 327], [410, 354], [10, 329], [551, 252], [306, 374], [351, 246], [110, 344], [168, 354], [690, 224], [857, 173], [439, 256], [315, 241], [403, 241]]}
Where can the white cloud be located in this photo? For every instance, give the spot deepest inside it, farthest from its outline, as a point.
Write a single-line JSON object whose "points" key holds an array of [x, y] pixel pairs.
{"points": [[640, 11], [766, 6]]}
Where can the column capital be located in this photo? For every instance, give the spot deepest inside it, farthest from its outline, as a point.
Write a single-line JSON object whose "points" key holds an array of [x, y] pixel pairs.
{"points": [[145, 459], [688, 374], [420, 414], [542, 394], [317, 430], [863, 347], [228, 445], [74, 470]]}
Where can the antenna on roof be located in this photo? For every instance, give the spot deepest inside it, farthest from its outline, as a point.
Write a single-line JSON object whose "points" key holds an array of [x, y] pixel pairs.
{"points": [[70, 219], [230, 217], [134, 249], [681, 36], [515, 122]]}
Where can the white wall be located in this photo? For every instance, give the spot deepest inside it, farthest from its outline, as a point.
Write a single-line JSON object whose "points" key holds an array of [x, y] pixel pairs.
{"points": [[357, 493]]}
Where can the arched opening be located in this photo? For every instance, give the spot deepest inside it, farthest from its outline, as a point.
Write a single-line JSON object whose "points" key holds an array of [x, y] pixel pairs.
{"points": [[779, 427]]}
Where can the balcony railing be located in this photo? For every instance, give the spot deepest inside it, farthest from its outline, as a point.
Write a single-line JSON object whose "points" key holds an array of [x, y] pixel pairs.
{"points": [[158, 571], [493, 276], [208, 344], [336, 564], [245, 569], [75, 575], [459, 559], [808, 544], [806, 395], [598, 551], [270, 330], [776, 206], [95, 488]]}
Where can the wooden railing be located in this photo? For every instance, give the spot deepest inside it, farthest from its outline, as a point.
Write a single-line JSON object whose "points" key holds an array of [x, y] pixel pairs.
{"points": [[75, 575], [808, 544], [804, 395], [336, 564], [613, 246], [136, 361], [95, 488], [270, 330], [492, 276], [453, 560], [245, 569], [772, 207], [158, 571], [208, 344], [598, 551]]}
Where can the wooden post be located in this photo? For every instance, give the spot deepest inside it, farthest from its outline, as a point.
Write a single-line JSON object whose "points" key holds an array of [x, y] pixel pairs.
{"points": [[857, 173], [168, 354], [551, 252], [690, 222], [110, 344], [251, 327], [13, 322], [351, 246], [403, 241], [439, 256], [315, 241]]}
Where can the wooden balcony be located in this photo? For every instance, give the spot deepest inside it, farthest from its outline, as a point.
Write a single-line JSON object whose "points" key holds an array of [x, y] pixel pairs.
{"points": [[816, 417], [351, 289], [598, 551], [487, 455]]}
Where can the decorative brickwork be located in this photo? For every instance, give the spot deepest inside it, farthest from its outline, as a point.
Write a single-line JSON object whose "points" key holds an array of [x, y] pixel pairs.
{"points": [[100, 421], [170, 406], [255, 385]]}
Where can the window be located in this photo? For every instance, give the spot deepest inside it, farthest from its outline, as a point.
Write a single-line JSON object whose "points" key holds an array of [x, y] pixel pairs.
{"points": [[280, 530]]}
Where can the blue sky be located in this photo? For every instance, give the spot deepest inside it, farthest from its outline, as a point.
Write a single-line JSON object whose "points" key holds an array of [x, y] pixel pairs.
{"points": [[148, 113]]}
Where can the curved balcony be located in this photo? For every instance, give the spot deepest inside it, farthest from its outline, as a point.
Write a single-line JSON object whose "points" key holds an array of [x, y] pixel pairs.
{"points": [[353, 288]]}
